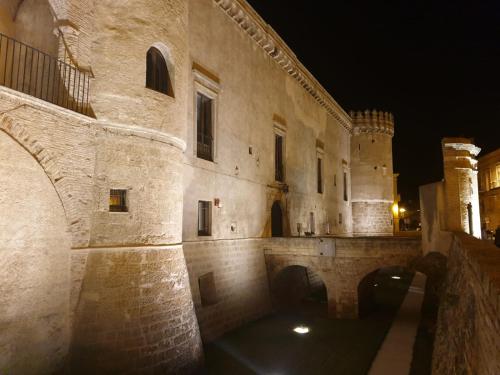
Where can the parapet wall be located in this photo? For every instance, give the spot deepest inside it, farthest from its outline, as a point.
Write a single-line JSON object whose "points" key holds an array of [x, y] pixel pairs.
{"points": [[372, 122], [468, 334]]}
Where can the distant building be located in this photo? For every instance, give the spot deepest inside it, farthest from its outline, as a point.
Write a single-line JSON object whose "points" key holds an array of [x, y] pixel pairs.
{"points": [[489, 190], [451, 205]]}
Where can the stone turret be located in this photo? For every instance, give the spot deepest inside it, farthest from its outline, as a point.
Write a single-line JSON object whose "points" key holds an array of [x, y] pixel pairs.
{"points": [[461, 185], [371, 172]]}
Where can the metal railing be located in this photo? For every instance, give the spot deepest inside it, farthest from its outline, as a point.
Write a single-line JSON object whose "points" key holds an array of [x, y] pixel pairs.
{"points": [[204, 149], [33, 72]]}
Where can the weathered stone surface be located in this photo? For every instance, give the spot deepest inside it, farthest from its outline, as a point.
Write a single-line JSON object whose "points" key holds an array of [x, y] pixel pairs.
{"points": [[34, 266], [135, 313], [241, 283], [468, 335]]}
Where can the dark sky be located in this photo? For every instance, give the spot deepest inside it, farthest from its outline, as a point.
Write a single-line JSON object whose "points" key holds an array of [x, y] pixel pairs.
{"points": [[434, 64]]}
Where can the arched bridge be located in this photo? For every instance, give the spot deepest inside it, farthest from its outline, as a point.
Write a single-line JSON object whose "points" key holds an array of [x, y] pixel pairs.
{"points": [[341, 263]]}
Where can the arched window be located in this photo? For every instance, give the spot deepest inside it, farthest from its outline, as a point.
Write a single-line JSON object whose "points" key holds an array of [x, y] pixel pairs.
{"points": [[157, 76]]}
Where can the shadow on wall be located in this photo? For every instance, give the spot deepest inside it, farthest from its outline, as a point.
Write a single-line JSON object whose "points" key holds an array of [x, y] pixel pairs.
{"points": [[299, 290]]}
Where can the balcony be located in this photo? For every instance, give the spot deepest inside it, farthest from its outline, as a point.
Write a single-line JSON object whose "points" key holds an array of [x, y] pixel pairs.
{"points": [[33, 72], [204, 148]]}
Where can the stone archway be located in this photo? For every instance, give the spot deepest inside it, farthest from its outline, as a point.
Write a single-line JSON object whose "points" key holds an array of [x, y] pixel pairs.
{"points": [[34, 266], [299, 289]]}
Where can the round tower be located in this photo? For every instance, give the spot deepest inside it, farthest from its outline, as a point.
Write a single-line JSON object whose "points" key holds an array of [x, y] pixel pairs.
{"points": [[371, 173]]}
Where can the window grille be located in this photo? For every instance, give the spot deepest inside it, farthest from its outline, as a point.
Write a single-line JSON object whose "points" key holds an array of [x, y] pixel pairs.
{"points": [[204, 127], [204, 218], [118, 200]]}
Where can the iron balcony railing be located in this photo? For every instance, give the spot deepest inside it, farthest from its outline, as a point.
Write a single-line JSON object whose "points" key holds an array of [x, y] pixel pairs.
{"points": [[204, 148], [33, 72]]}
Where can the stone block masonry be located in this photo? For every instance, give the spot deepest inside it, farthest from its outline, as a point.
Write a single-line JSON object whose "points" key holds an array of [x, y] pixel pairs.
{"points": [[135, 313], [241, 284], [468, 335]]}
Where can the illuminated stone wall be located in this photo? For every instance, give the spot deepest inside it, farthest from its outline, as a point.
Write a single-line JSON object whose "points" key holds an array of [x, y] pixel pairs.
{"points": [[372, 174], [461, 185], [489, 189], [467, 337], [241, 284]]}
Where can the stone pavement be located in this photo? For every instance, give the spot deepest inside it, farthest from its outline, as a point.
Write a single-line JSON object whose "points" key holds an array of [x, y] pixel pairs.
{"points": [[395, 354]]}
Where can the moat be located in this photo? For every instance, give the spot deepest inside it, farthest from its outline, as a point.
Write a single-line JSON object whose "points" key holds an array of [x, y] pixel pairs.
{"points": [[332, 346]]}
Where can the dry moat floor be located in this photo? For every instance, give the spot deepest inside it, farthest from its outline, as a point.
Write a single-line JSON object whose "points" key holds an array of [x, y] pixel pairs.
{"points": [[333, 346]]}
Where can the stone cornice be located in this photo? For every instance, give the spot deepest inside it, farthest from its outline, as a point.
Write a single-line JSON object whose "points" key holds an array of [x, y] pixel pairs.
{"points": [[263, 34]]}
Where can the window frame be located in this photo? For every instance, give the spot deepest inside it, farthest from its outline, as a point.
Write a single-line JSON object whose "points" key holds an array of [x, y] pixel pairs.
{"points": [[123, 207], [153, 71], [199, 154], [279, 130], [209, 88], [206, 230]]}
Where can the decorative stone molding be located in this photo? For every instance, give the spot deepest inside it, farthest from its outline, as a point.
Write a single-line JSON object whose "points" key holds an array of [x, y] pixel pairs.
{"points": [[372, 122], [251, 23]]}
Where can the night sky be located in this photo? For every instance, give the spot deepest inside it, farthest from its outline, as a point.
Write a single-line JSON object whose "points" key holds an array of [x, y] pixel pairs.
{"points": [[433, 64]]}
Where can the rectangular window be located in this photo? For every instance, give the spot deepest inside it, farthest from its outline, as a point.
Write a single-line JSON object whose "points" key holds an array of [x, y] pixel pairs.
{"points": [[204, 218], [320, 175], [340, 218], [204, 127], [279, 174], [334, 180], [118, 200], [345, 187]]}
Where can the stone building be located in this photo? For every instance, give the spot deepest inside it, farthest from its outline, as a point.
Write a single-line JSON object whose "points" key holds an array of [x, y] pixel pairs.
{"points": [[145, 150], [451, 205], [489, 190]]}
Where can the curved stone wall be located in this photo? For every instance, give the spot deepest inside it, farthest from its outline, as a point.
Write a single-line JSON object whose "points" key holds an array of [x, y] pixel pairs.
{"points": [[34, 266]]}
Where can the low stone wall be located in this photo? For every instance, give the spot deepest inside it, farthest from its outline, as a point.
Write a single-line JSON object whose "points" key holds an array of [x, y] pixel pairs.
{"points": [[468, 334], [239, 292]]}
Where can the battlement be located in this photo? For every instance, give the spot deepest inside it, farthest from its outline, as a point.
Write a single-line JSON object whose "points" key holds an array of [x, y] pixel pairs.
{"points": [[372, 122]]}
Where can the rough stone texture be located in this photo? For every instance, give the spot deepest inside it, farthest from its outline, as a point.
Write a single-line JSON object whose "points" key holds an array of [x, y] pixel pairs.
{"points": [[151, 174], [241, 284], [433, 218], [63, 144], [135, 314], [341, 263], [468, 335], [489, 190], [372, 218], [34, 266]]}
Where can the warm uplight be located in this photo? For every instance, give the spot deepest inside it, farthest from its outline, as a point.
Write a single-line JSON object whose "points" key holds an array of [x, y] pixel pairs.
{"points": [[301, 330], [402, 209], [396, 277], [395, 208]]}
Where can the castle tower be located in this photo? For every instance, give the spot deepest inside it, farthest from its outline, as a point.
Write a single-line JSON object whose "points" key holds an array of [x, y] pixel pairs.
{"points": [[371, 173], [461, 186]]}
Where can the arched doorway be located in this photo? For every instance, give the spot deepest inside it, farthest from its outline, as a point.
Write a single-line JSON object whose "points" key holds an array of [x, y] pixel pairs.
{"points": [[276, 220], [34, 266], [299, 290]]}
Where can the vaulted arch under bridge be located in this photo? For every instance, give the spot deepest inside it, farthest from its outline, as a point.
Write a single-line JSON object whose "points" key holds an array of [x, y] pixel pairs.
{"points": [[342, 263]]}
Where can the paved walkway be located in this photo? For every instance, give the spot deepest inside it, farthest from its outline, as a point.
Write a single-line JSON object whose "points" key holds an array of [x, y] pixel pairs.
{"points": [[395, 354]]}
